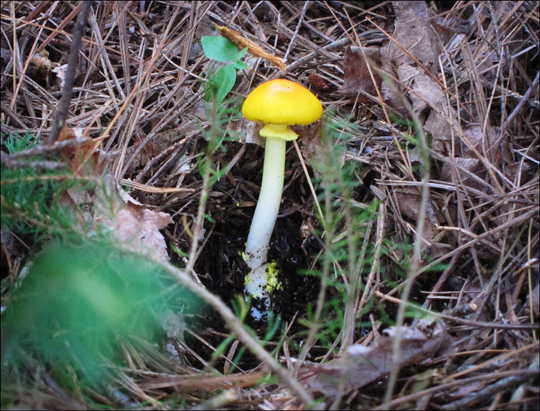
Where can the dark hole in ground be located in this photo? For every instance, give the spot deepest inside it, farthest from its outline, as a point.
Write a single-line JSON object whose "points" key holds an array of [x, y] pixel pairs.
{"points": [[222, 267]]}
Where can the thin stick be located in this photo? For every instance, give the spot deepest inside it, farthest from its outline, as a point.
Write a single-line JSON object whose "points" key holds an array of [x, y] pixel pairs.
{"points": [[300, 20], [9, 162], [524, 100], [308, 178], [63, 106], [236, 326]]}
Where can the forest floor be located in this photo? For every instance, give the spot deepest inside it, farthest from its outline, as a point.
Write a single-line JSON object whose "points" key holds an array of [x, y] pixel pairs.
{"points": [[407, 241]]}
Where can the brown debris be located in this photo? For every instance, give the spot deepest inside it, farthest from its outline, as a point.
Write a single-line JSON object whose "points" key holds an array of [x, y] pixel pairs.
{"points": [[413, 55], [464, 74], [317, 82], [362, 365], [357, 76]]}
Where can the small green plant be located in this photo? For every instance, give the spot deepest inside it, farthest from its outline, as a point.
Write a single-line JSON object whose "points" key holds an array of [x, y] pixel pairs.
{"points": [[220, 49], [218, 114], [30, 198], [348, 251]]}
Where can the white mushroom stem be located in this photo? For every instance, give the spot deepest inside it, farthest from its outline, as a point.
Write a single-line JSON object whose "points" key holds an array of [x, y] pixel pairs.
{"points": [[265, 218]]}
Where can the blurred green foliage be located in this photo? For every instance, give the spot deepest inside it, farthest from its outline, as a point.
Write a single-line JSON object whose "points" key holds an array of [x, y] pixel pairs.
{"points": [[31, 198], [79, 300]]}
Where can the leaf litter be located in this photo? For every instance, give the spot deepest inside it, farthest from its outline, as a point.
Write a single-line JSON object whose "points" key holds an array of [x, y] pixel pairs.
{"points": [[131, 222], [463, 71], [361, 365]]}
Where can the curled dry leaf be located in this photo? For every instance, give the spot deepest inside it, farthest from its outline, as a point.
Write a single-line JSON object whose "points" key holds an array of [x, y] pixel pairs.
{"points": [[60, 72], [83, 159], [362, 365], [140, 226], [131, 222]]}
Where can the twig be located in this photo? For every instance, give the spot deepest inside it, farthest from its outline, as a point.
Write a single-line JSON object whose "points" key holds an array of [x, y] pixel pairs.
{"points": [[10, 162], [63, 106], [300, 20], [479, 324], [41, 150], [15, 160], [524, 100], [454, 384], [474, 399], [339, 43]]}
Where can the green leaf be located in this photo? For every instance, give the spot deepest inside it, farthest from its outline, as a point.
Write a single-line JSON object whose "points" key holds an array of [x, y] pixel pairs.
{"points": [[219, 48], [241, 54], [224, 79], [240, 65]]}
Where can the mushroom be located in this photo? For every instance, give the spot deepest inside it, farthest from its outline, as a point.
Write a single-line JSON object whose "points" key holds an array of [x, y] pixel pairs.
{"points": [[278, 104]]}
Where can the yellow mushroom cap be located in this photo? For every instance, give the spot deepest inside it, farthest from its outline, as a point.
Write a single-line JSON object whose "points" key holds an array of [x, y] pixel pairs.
{"points": [[282, 102]]}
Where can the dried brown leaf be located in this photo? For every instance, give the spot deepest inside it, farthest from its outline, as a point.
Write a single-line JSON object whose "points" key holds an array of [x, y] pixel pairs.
{"points": [[356, 72], [444, 32], [362, 365], [317, 82], [482, 141], [409, 206], [82, 159], [60, 72], [131, 221], [475, 136], [413, 31], [413, 57], [466, 168]]}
